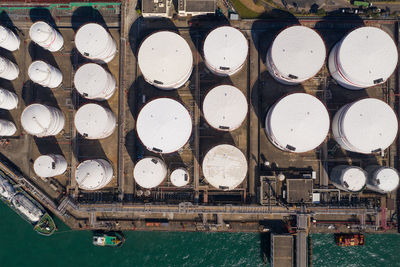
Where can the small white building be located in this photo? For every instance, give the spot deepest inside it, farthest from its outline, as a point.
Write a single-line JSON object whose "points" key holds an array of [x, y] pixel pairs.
{"points": [[156, 8], [45, 74], [150, 172], [50, 165], [41, 120], [46, 36], [94, 174], [8, 39], [196, 7]]}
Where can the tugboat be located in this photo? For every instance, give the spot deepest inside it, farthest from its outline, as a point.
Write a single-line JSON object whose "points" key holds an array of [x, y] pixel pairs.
{"points": [[108, 239], [349, 239]]}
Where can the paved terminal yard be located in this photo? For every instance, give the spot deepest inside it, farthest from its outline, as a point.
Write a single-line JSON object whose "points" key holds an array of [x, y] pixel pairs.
{"points": [[196, 206]]}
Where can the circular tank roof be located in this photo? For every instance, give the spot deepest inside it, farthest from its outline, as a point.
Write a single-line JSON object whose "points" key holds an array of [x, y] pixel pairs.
{"points": [[166, 58], [225, 47], [3, 34], [91, 174], [92, 40], [179, 177], [225, 107], [387, 179], [43, 166], [39, 71], [90, 80], [40, 31], [92, 121], [224, 167], [36, 118], [149, 172], [164, 125], [298, 51], [355, 178], [367, 54], [299, 122], [369, 124]]}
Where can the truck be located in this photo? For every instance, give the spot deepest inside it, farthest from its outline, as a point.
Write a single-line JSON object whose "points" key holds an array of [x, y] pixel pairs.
{"points": [[362, 4]]}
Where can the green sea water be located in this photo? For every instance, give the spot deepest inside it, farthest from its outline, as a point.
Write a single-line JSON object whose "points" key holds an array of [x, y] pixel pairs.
{"points": [[21, 246]]}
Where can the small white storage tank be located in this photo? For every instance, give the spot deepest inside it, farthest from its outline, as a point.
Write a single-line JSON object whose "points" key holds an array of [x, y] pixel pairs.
{"points": [[165, 60], [363, 58], [95, 43], [150, 172], [224, 167], [45, 74], [7, 128], [365, 126], [8, 69], [46, 36], [296, 55], [92, 81], [94, 121], [93, 174], [348, 178], [8, 100], [8, 39], [41, 120], [50, 165], [225, 50], [179, 177], [225, 107], [297, 123], [164, 125], [382, 179]]}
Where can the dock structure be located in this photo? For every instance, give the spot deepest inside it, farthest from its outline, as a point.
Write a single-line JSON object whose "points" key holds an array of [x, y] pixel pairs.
{"points": [[278, 183]]}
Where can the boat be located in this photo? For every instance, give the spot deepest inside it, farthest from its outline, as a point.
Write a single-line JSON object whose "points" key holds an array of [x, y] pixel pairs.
{"points": [[23, 204], [108, 239], [349, 239]]}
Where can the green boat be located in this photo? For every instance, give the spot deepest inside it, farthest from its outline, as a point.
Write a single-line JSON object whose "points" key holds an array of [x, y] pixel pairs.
{"points": [[109, 239]]}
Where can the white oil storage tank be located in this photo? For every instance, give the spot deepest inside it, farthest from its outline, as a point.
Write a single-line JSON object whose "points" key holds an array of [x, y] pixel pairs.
{"points": [[7, 128], [94, 42], [8, 69], [41, 120], [8, 39], [297, 123], [363, 58], [150, 172], [94, 121], [348, 178], [165, 60], [93, 174], [179, 177], [92, 81], [296, 54], [8, 100], [46, 36], [164, 125], [382, 179], [365, 126], [224, 167], [225, 50], [45, 74], [225, 107], [50, 165]]}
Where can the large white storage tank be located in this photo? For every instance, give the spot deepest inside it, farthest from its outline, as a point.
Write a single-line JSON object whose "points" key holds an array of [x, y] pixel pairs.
{"points": [[225, 50], [164, 125], [41, 120], [92, 81], [46, 36], [365, 126], [8, 69], [50, 165], [297, 123], [225, 107], [95, 43], [363, 58], [179, 177], [8, 39], [7, 128], [165, 60], [296, 55], [93, 174], [45, 74], [94, 121], [382, 179], [348, 178], [8, 100], [224, 167], [150, 172]]}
